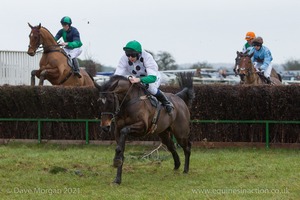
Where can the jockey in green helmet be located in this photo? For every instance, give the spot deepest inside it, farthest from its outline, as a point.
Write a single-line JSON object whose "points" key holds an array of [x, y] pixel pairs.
{"points": [[72, 43], [141, 67]]}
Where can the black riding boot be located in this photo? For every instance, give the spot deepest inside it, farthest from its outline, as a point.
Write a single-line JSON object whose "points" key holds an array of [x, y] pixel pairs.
{"points": [[268, 80], [76, 67], [164, 101]]}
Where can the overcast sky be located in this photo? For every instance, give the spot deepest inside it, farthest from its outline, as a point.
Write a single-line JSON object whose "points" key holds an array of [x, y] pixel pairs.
{"points": [[190, 30]]}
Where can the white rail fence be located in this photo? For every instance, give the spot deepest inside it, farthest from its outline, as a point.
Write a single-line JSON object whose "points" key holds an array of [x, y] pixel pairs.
{"points": [[16, 67]]}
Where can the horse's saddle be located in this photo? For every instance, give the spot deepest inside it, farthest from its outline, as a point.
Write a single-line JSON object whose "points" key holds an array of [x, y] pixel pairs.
{"points": [[70, 63], [154, 102], [69, 59]]}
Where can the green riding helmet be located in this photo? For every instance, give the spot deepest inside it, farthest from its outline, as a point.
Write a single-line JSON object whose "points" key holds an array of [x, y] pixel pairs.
{"points": [[133, 46], [66, 20]]}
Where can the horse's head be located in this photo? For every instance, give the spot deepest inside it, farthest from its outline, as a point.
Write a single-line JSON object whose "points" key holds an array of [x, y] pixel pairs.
{"points": [[34, 39], [112, 96], [246, 67], [237, 62]]}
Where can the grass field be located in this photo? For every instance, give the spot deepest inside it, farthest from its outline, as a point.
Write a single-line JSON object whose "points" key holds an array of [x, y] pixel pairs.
{"points": [[48, 171]]}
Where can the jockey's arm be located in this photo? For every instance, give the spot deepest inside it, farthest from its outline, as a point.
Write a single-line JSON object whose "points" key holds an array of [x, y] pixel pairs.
{"points": [[146, 79], [267, 60], [74, 44]]}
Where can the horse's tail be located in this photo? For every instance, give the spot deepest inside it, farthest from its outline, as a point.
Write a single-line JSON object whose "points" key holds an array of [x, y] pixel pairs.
{"points": [[90, 75], [97, 85], [187, 94], [279, 77]]}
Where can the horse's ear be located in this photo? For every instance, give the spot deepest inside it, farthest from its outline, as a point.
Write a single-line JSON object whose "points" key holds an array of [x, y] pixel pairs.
{"points": [[39, 26], [30, 25], [97, 85], [237, 52], [251, 54]]}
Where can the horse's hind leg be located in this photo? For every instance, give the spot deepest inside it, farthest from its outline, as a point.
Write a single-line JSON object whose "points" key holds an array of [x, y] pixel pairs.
{"points": [[166, 140], [186, 146]]}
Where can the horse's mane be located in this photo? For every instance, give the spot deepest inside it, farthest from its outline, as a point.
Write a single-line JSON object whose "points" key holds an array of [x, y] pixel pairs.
{"points": [[112, 79], [47, 31]]}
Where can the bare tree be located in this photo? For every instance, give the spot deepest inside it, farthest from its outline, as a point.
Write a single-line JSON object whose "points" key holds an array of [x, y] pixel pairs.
{"points": [[291, 65], [165, 61]]}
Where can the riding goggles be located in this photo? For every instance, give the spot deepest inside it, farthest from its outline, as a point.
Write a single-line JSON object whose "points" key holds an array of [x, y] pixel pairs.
{"points": [[256, 44], [132, 55]]}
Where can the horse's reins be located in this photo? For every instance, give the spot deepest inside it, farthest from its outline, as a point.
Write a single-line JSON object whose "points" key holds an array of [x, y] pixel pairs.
{"points": [[118, 106]]}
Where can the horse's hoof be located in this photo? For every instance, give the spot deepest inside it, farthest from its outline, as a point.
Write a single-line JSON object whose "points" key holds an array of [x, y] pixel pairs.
{"points": [[176, 166], [185, 171], [117, 181], [117, 162]]}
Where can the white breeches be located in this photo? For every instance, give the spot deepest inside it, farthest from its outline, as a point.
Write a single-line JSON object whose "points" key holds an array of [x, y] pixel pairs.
{"points": [[73, 53], [267, 72], [153, 87]]}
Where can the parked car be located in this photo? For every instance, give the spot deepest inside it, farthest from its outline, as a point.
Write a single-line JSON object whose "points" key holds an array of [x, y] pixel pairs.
{"points": [[168, 79]]}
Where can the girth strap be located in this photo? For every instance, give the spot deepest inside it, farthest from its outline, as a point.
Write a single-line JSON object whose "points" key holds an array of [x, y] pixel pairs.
{"points": [[66, 78], [156, 114], [155, 120]]}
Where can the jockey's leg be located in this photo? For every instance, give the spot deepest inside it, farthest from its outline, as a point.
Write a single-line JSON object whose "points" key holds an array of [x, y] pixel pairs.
{"points": [[76, 67], [73, 54], [267, 74], [164, 101]]}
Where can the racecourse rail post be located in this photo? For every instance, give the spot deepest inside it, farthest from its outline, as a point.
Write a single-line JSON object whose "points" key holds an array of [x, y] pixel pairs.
{"points": [[267, 136], [39, 124]]}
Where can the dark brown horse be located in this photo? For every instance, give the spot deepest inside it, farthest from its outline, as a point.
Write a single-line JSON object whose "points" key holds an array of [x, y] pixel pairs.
{"points": [[54, 63], [248, 73], [131, 110]]}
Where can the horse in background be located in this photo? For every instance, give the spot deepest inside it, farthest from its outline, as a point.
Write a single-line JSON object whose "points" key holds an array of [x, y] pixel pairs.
{"points": [[248, 73], [129, 109], [54, 65]]}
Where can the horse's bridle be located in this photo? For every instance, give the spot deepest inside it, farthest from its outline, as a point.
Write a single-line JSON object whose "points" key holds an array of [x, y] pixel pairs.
{"points": [[247, 70], [39, 40], [47, 49], [118, 105], [237, 62]]}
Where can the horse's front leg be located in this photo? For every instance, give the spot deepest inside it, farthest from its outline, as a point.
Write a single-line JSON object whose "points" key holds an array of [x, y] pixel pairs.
{"points": [[119, 155], [33, 74], [43, 77]]}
